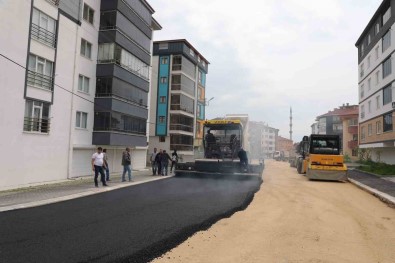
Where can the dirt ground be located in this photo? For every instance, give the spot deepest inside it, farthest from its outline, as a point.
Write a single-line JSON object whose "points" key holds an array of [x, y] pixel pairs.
{"points": [[295, 220]]}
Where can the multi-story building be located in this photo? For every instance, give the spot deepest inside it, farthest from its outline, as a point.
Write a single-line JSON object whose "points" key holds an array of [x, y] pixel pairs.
{"points": [[269, 140], [53, 101], [284, 144], [177, 98], [255, 139], [376, 76], [341, 121]]}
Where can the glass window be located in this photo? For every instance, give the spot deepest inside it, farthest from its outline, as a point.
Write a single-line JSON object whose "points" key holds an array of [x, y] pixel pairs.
{"points": [[387, 94], [369, 129], [163, 45], [369, 106], [362, 133], [81, 120], [377, 52], [108, 20], [43, 28], [378, 127], [362, 91], [163, 80], [36, 116], [88, 13], [162, 99], [386, 15], [377, 77], [164, 60], [386, 40], [387, 122], [115, 121], [86, 48], [40, 72], [387, 67], [362, 111], [162, 119], [378, 102], [83, 83]]}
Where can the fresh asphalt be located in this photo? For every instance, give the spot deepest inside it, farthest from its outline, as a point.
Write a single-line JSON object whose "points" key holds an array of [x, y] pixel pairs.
{"points": [[132, 224]]}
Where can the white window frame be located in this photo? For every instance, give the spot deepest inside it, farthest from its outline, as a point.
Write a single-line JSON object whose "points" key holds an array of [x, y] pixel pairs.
{"points": [[83, 83], [377, 77], [369, 106], [378, 102], [362, 93], [36, 107], [81, 120], [84, 48], [370, 130], [86, 14], [377, 52], [369, 83]]}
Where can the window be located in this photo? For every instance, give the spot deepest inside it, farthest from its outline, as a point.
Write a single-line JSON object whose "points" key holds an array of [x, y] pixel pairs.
{"points": [[369, 41], [362, 111], [362, 91], [362, 133], [387, 94], [369, 129], [352, 122], [386, 40], [81, 119], [378, 102], [36, 116], [200, 77], [203, 64], [369, 106], [355, 137], [43, 28], [378, 127], [163, 80], [337, 127], [336, 118], [377, 77], [163, 45], [162, 139], [198, 58], [387, 122], [40, 72], [88, 14], [387, 68], [83, 84], [119, 122], [377, 52], [354, 152], [362, 48], [162, 99], [86, 48], [369, 83], [164, 60], [377, 28], [368, 61], [161, 119], [362, 73], [386, 15], [191, 52]]}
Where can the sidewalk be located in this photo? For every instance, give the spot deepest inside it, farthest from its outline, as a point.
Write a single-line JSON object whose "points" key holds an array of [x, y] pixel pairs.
{"points": [[383, 188], [70, 189]]}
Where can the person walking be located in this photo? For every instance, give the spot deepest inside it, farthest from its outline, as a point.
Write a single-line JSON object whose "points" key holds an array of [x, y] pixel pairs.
{"points": [[97, 166], [165, 162], [174, 160], [154, 165], [106, 164], [126, 162], [158, 161]]}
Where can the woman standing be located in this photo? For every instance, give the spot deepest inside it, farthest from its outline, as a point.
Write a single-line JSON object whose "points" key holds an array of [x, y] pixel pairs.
{"points": [[174, 160]]}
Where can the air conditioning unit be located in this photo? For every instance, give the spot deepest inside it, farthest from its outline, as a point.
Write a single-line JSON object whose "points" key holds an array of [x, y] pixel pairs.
{"points": [[393, 105]]}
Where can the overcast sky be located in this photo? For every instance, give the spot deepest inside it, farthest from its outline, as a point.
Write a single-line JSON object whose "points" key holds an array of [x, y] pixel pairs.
{"points": [[269, 55]]}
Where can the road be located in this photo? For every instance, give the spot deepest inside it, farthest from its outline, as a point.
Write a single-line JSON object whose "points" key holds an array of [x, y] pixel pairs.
{"points": [[295, 220], [133, 224]]}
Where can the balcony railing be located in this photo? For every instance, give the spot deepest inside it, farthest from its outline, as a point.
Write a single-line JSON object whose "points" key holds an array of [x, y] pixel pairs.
{"points": [[353, 129], [352, 144], [43, 35], [181, 127], [181, 147], [54, 2], [179, 107], [36, 125], [39, 80]]}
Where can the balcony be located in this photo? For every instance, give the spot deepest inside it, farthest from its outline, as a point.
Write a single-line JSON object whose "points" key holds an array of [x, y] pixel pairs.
{"points": [[352, 144], [181, 127], [36, 125], [39, 80], [40, 34], [353, 129], [54, 2]]}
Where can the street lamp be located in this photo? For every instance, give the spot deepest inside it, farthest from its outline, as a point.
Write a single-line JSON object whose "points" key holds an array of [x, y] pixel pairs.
{"points": [[207, 102]]}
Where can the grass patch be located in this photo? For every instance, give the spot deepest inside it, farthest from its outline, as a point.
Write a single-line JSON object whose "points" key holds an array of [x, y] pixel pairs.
{"points": [[380, 169]]}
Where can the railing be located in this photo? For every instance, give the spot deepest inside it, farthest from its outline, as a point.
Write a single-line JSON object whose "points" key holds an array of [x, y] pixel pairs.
{"points": [[176, 67], [189, 90], [353, 129], [118, 62], [181, 127], [352, 144], [36, 125], [178, 107], [181, 147], [111, 95], [43, 35], [54, 2], [110, 129], [39, 80]]}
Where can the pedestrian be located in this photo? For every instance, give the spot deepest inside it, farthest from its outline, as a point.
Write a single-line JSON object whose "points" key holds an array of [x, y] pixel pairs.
{"points": [[153, 162], [243, 159], [174, 160], [98, 165], [126, 162], [165, 158], [158, 161], [106, 164]]}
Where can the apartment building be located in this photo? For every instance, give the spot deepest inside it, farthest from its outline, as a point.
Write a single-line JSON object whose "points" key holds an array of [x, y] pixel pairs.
{"points": [[284, 144], [342, 121], [376, 76], [177, 98], [50, 63]]}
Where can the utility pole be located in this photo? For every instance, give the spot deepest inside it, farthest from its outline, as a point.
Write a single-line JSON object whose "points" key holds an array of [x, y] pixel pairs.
{"points": [[290, 124]]}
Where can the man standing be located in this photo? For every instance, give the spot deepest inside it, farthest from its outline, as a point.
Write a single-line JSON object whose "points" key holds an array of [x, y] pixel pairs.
{"points": [[153, 162], [126, 162], [97, 166], [243, 159], [106, 164], [165, 162], [158, 161], [174, 160]]}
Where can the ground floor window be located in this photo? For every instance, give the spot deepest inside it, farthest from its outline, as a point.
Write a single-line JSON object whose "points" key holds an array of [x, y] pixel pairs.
{"points": [[387, 122], [181, 142]]}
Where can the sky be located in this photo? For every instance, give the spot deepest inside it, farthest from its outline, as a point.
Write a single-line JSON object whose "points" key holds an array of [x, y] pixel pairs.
{"points": [[269, 55]]}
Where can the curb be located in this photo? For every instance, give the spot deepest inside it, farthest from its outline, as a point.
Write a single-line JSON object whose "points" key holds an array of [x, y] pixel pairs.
{"points": [[386, 198], [75, 196]]}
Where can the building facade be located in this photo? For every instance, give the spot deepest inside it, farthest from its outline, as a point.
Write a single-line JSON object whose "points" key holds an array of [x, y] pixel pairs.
{"points": [[177, 98], [376, 76], [284, 144], [50, 65]]}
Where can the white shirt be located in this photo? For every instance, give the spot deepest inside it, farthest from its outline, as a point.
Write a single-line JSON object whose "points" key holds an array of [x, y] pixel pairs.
{"points": [[98, 159]]}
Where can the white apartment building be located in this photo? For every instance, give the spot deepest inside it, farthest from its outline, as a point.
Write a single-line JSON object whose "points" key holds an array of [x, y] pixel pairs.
{"points": [[49, 71], [376, 47]]}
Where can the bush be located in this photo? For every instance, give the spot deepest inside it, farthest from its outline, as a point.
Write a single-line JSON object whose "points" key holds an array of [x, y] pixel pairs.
{"points": [[378, 168]]}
